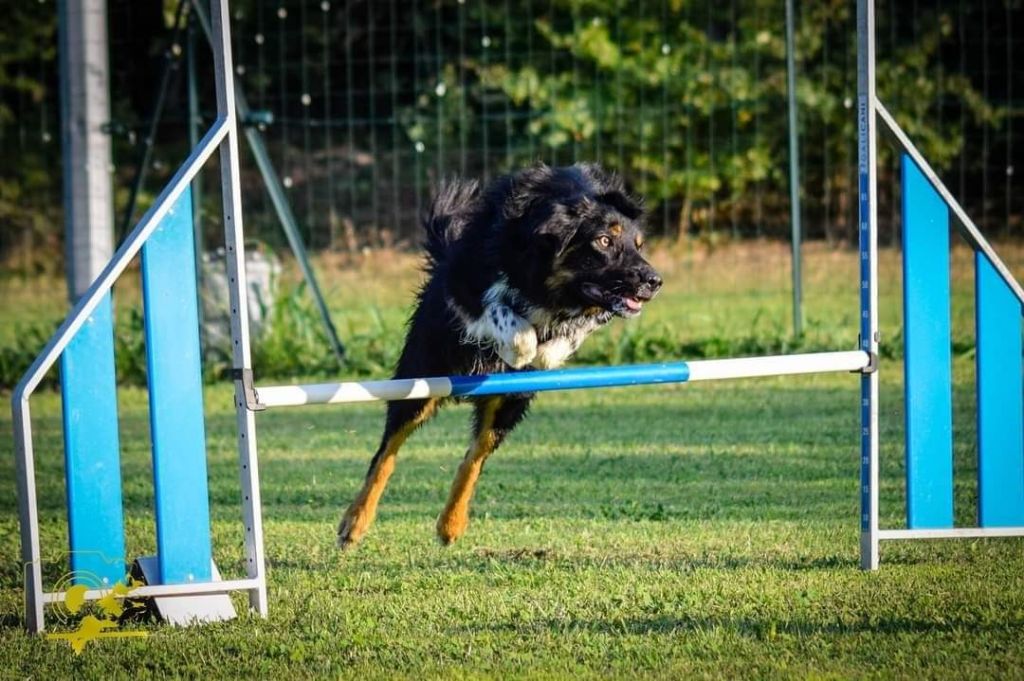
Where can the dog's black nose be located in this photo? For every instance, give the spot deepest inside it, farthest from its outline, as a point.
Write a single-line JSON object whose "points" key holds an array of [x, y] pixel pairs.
{"points": [[647, 282]]}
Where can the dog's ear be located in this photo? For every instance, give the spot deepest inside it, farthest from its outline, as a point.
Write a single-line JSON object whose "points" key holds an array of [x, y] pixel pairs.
{"points": [[524, 192], [535, 240], [623, 203], [553, 235], [543, 232], [532, 210], [610, 189]]}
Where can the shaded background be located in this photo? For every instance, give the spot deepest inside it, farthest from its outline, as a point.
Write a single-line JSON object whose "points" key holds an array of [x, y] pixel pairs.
{"points": [[373, 102]]}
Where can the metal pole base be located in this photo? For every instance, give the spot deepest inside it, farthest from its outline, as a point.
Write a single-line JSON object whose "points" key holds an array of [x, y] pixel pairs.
{"points": [[183, 611]]}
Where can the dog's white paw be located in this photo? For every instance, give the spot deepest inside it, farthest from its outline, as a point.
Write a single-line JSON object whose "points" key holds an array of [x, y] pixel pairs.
{"points": [[553, 353], [520, 347]]}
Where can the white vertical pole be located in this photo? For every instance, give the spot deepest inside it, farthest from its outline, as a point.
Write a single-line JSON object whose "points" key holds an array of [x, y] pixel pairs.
{"points": [[234, 242], [31, 558], [867, 157], [85, 111]]}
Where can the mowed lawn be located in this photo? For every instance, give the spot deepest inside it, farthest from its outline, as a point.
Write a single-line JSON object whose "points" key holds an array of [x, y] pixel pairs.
{"points": [[704, 530]]}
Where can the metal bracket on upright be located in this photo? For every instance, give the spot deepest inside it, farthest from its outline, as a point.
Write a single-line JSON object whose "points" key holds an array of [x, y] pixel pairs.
{"points": [[872, 365], [252, 399]]}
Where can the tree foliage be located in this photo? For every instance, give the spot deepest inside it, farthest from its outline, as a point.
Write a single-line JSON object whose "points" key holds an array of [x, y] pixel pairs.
{"points": [[685, 98], [688, 100], [29, 174]]}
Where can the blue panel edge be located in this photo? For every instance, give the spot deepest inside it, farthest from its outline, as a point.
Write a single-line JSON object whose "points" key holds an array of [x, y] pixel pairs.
{"points": [[1000, 390], [92, 452], [176, 399], [928, 360]]}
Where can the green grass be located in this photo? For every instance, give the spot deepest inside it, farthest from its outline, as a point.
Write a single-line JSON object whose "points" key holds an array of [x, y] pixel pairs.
{"points": [[675, 531]]}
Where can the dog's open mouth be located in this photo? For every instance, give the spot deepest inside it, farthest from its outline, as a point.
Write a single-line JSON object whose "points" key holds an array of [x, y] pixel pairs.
{"points": [[623, 305]]}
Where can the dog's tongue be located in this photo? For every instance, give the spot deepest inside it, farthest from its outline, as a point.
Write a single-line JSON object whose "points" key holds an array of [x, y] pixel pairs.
{"points": [[632, 303]]}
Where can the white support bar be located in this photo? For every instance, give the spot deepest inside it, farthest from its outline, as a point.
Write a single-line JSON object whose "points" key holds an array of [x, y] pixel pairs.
{"points": [[166, 590], [352, 391], [28, 515], [969, 230], [953, 533], [779, 365]]}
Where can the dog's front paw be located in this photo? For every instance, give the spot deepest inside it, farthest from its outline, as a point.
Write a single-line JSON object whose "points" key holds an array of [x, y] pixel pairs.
{"points": [[521, 348], [451, 525], [351, 529], [553, 353]]}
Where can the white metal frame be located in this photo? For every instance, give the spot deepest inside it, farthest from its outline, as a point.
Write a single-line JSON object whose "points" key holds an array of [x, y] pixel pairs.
{"points": [[871, 110], [867, 157], [222, 135], [234, 238]]}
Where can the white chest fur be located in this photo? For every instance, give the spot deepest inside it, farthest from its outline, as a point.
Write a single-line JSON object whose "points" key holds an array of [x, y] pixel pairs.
{"points": [[515, 337]]}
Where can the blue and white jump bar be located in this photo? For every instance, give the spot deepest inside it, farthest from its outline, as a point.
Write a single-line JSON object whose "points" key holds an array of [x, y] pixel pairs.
{"points": [[561, 379]]}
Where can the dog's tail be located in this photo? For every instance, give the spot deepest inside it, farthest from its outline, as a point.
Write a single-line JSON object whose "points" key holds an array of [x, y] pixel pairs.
{"points": [[448, 215]]}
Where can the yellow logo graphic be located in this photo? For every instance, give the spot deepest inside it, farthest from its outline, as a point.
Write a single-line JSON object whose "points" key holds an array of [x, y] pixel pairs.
{"points": [[96, 625]]}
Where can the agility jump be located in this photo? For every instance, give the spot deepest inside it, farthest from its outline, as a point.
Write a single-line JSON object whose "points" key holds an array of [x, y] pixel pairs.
{"points": [[182, 576]]}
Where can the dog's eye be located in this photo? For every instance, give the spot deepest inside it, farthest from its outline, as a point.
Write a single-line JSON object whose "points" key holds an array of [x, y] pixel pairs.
{"points": [[603, 241]]}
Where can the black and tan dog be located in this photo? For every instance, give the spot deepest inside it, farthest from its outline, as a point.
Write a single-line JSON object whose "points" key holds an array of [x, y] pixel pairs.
{"points": [[519, 274]]}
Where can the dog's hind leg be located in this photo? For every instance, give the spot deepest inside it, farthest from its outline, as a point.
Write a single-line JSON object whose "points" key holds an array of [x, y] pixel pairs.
{"points": [[402, 419], [494, 419]]}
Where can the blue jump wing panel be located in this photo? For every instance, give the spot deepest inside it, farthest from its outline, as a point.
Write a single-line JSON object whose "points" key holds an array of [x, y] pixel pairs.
{"points": [[1000, 400], [176, 398], [92, 452], [928, 381]]}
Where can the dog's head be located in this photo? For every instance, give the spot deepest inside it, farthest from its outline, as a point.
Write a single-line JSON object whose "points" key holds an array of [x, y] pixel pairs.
{"points": [[577, 241]]}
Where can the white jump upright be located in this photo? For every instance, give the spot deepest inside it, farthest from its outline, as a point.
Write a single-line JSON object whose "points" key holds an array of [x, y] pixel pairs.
{"points": [[927, 206], [183, 570], [867, 183], [181, 578]]}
